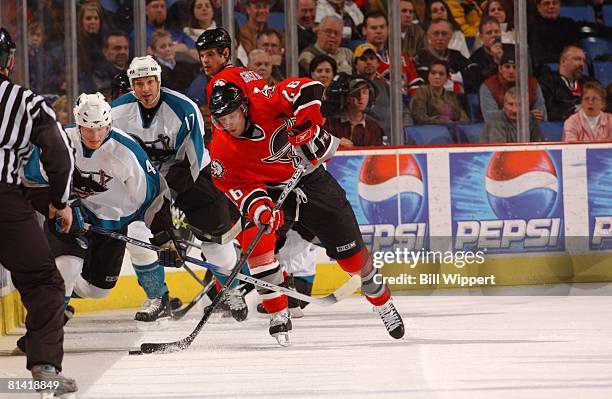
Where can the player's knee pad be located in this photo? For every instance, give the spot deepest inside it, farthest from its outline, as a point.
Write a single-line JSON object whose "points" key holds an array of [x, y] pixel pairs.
{"points": [[223, 256], [139, 255], [84, 289], [151, 279], [70, 268]]}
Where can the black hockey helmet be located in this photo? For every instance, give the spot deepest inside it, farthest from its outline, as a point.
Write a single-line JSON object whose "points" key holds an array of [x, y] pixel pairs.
{"points": [[214, 38], [120, 85], [7, 48], [225, 98]]}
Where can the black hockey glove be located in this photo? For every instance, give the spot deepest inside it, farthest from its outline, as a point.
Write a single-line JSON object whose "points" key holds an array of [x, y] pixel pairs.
{"points": [[312, 142], [172, 253]]}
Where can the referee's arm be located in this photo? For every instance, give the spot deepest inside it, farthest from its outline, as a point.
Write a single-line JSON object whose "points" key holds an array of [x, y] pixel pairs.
{"points": [[56, 155]]}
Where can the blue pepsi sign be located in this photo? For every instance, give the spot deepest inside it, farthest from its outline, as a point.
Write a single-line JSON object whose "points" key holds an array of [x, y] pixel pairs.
{"points": [[599, 187], [507, 201]]}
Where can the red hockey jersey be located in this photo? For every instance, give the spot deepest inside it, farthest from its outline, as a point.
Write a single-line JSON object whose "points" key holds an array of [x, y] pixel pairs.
{"points": [[243, 167]]}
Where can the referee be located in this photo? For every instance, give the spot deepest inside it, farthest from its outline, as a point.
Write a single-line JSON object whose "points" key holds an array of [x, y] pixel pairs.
{"points": [[26, 120]]}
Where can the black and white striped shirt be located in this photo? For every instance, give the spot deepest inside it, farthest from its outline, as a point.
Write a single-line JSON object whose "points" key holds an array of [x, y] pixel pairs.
{"points": [[26, 120]]}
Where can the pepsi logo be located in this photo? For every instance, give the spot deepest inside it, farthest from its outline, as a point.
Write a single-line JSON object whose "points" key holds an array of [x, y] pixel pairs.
{"points": [[522, 184], [381, 178]]}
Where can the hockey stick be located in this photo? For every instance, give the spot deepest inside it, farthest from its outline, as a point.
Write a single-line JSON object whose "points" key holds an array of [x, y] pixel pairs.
{"points": [[179, 314], [344, 291], [184, 343]]}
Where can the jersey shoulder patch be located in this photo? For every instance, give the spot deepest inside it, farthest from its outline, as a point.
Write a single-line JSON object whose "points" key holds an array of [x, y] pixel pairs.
{"points": [[217, 170]]}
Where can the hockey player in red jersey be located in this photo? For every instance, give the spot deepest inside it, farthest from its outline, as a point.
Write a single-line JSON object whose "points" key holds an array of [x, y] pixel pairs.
{"points": [[252, 158]]}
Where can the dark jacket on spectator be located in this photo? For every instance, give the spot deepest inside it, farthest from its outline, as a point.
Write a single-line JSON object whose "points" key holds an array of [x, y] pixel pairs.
{"points": [[367, 133], [103, 75], [180, 77], [306, 37], [561, 99], [456, 63], [486, 64]]}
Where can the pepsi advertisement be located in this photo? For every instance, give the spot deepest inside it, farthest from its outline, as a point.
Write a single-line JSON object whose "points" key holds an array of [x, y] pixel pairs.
{"points": [[507, 201], [599, 178], [388, 193]]}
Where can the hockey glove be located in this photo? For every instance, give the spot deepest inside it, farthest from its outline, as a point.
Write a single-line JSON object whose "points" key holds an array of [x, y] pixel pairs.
{"points": [[312, 142], [172, 253], [260, 213]]}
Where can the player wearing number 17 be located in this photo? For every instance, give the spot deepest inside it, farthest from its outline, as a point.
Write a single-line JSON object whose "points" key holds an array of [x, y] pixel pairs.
{"points": [[252, 160]]}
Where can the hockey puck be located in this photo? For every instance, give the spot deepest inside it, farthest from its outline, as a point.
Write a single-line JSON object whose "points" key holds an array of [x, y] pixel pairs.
{"points": [[135, 352]]}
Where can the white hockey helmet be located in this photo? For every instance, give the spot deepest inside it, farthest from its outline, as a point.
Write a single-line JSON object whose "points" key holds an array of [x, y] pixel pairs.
{"points": [[143, 66], [92, 111]]}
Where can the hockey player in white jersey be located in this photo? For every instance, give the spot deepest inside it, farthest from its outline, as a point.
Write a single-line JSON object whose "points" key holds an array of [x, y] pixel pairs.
{"points": [[171, 129], [116, 184]]}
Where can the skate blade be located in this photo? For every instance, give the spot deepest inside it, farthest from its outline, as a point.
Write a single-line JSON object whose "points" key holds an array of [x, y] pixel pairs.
{"points": [[159, 324], [283, 339]]}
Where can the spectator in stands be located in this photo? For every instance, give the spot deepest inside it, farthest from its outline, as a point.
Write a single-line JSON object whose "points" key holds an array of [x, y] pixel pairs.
{"points": [[89, 43], [376, 32], [157, 13], [271, 41], [116, 51], [500, 10], [329, 37], [323, 68], [413, 36], [260, 62], [591, 122], [201, 18], [347, 11], [501, 127], [468, 13], [305, 12], [46, 76], [463, 74], [354, 127], [490, 54], [438, 9], [60, 107], [563, 89], [549, 34], [493, 89], [257, 12], [176, 74], [366, 65], [432, 104]]}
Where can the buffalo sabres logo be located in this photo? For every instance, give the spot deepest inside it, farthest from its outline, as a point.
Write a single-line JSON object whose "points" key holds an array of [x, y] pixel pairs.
{"points": [[280, 148], [90, 183], [216, 169]]}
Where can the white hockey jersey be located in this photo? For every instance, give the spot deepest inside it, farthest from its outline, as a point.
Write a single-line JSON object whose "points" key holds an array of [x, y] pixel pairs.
{"points": [[118, 183], [176, 125]]}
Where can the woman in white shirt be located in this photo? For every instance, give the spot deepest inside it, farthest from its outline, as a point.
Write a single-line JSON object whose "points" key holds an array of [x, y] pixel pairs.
{"points": [[438, 9], [201, 18], [499, 10]]}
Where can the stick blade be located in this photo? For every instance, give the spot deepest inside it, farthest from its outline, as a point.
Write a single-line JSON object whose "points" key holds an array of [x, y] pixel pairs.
{"points": [[169, 347], [345, 291]]}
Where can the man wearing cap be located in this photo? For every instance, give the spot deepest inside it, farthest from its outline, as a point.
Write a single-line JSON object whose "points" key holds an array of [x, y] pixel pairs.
{"points": [[489, 55], [493, 89], [329, 37], [366, 64]]}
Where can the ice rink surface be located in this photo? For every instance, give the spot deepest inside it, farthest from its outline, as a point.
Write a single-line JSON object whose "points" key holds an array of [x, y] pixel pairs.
{"points": [[455, 347]]}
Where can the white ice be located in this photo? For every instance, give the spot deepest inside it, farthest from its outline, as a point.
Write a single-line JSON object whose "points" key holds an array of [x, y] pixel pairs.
{"points": [[455, 347]]}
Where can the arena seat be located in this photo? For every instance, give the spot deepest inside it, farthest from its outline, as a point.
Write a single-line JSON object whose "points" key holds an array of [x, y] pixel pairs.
{"points": [[473, 107], [603, 72], [607, 14], [596, 46], [427, 135], [240, 18], [468, 133], [551, 131], [578, 13], [276, 20]]}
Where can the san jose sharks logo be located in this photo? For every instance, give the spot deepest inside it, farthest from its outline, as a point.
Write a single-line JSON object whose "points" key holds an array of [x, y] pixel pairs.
{"points": [[217, 170], [280, 148], [87, 183]]}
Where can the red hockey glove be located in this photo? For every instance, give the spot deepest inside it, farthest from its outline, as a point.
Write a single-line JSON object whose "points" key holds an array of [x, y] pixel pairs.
{"points": [[311, 142], [260, 213]]}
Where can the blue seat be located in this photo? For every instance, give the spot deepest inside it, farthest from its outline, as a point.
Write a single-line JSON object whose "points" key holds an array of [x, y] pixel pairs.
{"points": [[473, 107], [578, 13], [276, 20], [554, 66], [551, 131], [603, 72], [607, 14], [427, 135], [240, 18], [354, 43], [468, 133], [595, 46]]}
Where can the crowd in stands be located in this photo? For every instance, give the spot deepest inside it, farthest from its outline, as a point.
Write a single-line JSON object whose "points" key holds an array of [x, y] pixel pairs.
{"points": [[458, 59]]}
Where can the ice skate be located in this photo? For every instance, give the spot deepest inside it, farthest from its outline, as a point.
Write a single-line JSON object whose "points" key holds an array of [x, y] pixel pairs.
{"points": [[59, 386], [154, 312], [280, 325], [392, 319], [238, 307]]}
